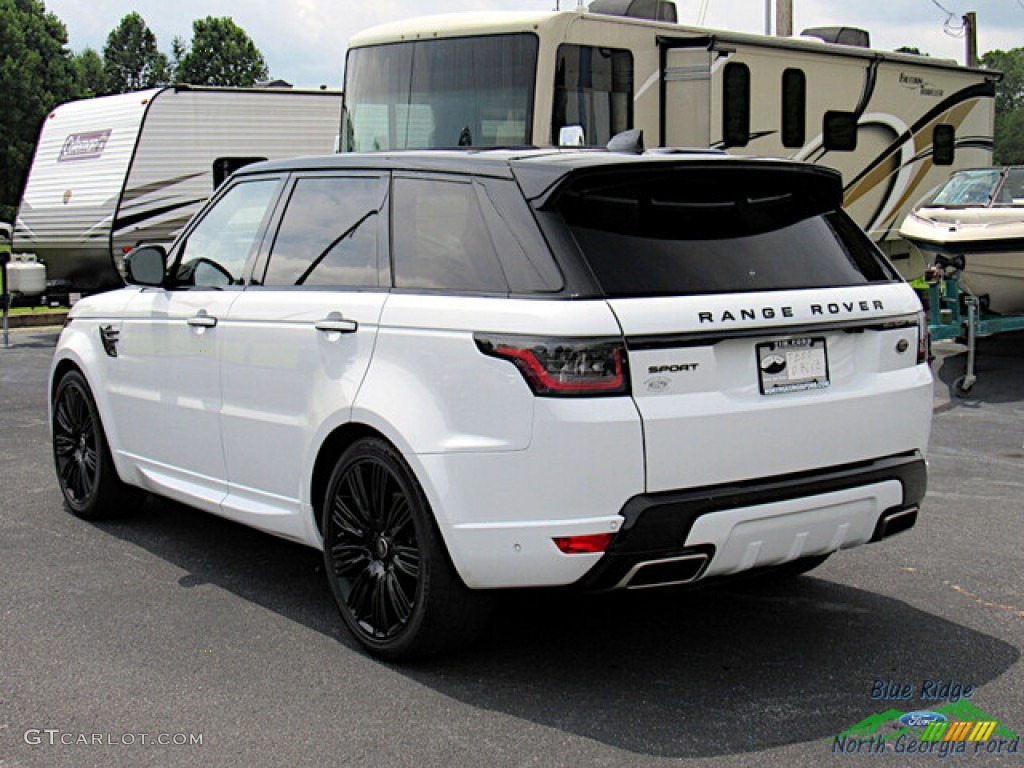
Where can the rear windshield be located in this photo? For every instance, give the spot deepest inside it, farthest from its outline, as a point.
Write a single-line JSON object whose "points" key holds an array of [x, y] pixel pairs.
{"points": [[703, 231]]}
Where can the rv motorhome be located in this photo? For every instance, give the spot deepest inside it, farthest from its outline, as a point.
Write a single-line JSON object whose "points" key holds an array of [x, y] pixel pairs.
{"points": [[112, 172], [895, 125]]}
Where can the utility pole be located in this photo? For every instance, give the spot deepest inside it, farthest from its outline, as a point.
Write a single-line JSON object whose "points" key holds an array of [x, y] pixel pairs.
{"points": [[971, 36], [767, 17], [784, 18]]}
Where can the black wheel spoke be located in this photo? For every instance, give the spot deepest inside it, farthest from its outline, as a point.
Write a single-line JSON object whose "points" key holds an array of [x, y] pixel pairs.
{"points": [[398, 515], [349, 559], [399, 603], [371, 548], [407, 561]]}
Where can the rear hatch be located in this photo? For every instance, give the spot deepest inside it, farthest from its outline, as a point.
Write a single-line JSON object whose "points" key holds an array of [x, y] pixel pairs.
{"points": [[766, 334]]}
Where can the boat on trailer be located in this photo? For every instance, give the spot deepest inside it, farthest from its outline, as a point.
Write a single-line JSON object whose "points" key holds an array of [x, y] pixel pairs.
{"points": [[976, 219]]}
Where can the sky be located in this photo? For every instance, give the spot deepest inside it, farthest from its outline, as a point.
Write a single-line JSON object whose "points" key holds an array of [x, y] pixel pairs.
{"points": [[304, 41]]}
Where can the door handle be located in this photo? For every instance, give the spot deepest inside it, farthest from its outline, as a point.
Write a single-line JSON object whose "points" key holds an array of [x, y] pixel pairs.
{"points": [[202, 320], [335, 323]]}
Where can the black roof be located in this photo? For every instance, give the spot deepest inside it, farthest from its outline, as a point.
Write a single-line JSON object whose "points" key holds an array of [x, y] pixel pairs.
{"points": [[536, 170]]}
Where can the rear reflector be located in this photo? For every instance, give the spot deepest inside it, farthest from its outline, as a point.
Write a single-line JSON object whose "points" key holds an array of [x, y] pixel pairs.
{"points": [[584, 545]]}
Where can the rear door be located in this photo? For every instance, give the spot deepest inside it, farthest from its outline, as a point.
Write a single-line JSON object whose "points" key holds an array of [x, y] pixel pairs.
{"points": [[766, 335]]}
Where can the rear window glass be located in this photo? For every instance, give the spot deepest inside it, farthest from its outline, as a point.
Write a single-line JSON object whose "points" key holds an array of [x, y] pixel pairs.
{"points": [[734, 230]]}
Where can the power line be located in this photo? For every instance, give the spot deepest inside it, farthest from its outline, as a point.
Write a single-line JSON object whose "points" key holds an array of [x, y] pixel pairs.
{"points": [[951, 29], [702, 14]]}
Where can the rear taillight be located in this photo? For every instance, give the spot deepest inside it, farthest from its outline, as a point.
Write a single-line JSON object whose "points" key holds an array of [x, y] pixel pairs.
{"points": [[564, 367]]}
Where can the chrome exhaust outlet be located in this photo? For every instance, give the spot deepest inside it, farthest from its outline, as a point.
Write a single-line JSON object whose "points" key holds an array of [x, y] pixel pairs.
{"points": [[667, 572], [895, 521]]}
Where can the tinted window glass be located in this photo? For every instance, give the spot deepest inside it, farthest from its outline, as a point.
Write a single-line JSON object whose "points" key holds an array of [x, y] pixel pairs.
{"points": [[944, 144], [523, 252], [794, 108], [217, 249], [594, 89], [736, 105], [329, 233], [840, 131], [684, 234], [440, 240]]}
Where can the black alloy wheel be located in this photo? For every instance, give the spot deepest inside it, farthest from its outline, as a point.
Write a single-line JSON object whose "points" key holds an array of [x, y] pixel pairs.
{"points": [[85, 471], [391, 578]]}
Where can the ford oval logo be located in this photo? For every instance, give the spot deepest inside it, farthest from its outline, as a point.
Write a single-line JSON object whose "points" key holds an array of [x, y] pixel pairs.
{"points": [[921, 718]]}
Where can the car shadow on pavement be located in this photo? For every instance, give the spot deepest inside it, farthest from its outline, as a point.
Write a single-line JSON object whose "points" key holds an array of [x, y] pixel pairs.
{"points": [[706, 673]]}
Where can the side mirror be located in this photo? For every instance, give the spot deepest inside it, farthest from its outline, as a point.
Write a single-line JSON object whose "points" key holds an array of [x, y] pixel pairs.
{"points": [[146, 266]]}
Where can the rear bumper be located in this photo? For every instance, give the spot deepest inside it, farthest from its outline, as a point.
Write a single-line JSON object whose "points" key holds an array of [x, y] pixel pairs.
{"points": [[682, 536]]}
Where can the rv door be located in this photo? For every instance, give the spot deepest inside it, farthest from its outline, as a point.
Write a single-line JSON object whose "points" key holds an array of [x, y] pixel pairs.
{"points": [[686, 93]]}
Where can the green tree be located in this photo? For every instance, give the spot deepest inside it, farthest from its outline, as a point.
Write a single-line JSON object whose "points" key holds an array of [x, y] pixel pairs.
{"points": [[178, 50], [37, 72], [131, 58], [221, 53], [90, 74], [1009, 134]]}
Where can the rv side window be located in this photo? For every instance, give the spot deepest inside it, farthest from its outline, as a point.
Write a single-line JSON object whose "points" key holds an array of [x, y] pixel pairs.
{"points": [[593, 89], [329, 234], [794, 108], [943, 144], [736, 105], [225, 166], [840, 131]]}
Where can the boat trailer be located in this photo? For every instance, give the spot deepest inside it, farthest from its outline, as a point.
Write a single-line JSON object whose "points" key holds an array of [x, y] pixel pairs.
{"points": [[955, 313]]}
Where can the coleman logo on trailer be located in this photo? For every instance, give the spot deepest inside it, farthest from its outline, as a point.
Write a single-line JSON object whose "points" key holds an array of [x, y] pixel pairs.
{"points": [[82, 146]]}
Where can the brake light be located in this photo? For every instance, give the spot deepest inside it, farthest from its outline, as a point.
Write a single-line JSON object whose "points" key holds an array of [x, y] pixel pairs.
{"points": [[584, 545], [564, 367]]}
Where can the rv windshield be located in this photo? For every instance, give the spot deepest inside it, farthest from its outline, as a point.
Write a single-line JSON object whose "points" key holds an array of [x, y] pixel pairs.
{"points": [[430, 94]]}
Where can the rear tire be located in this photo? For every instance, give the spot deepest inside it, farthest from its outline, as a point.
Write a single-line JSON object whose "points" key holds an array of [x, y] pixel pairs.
{"points": [[85, 470], [386, 564]]}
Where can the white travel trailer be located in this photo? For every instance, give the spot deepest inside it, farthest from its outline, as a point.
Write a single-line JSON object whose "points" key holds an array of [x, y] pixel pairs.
{"points": [[895, 125], [115, 171]]}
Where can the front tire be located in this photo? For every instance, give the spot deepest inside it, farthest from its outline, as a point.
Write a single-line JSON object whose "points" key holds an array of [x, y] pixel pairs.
{"points": [[390, 575], [85, 471]]}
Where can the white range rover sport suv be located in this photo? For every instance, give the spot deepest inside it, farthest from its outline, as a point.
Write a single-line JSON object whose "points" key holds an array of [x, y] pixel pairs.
{"points": [[457, 372]]}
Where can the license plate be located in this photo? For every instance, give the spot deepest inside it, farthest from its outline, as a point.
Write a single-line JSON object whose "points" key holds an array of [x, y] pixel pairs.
{"points": [[792, 365]]}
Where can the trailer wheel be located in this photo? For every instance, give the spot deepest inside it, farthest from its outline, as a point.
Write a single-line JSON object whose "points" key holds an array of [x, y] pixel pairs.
{"points": [[962, 386]]}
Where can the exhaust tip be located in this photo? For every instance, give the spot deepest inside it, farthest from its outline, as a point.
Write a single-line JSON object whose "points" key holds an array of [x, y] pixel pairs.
{"points": [[666, 572], [895, 521]]}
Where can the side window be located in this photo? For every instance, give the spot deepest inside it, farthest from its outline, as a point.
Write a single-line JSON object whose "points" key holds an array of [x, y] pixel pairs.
{"points": [[525, 256], [594, 89], [840, 131], [794, 108], [944, 144], [440, 240], [329, 233], [217, 249], [736, 105]]}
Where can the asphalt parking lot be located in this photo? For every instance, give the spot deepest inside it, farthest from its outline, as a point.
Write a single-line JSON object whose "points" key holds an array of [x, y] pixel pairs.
{"points": [[174, 638]]}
